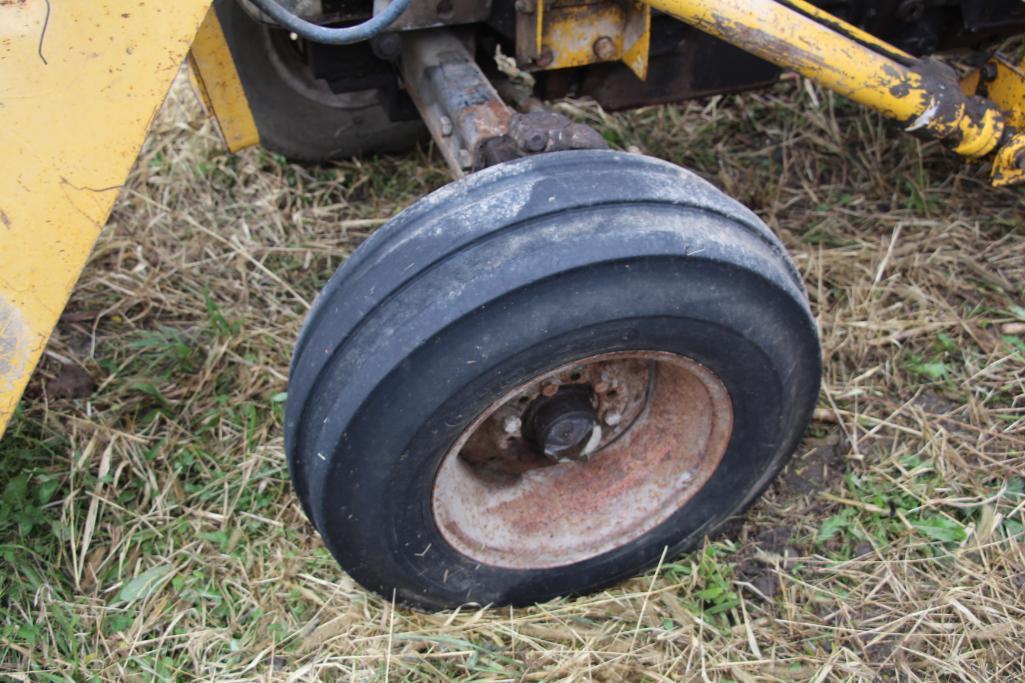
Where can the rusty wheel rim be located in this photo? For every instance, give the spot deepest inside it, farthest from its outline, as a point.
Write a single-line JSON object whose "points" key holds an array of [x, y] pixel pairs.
{"points": [[664, 424]]}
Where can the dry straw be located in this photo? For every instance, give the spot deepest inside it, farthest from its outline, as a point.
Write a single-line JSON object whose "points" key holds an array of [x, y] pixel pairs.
{"points": [[161, 537]]}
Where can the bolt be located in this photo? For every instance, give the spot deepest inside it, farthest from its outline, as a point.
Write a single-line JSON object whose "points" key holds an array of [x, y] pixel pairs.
{"points": [[512, 425], [546, 58], [444, 9], [613, 418], [525, 6], [604, 48], [446, 126], [535, 141], [387, 46], [550, 390]]}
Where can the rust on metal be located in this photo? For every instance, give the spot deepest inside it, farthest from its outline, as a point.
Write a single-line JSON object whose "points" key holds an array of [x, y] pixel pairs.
{"points": [[469, 121], [454, 97], [500, 503], [620, 387], [570, 33]]}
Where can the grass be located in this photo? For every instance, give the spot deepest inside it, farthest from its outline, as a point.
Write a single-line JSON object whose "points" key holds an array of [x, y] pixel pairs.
{"points": [[148, 530]]}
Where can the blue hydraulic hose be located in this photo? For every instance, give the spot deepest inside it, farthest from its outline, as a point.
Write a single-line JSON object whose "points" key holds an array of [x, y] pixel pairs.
{"points": [[333, 36]]}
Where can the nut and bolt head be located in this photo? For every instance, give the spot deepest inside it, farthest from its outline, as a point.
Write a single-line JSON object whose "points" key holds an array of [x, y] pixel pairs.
{"points": [[525, 6], [535, 141], [446, 126], [387, 46], [545, 58], [444, 9], [604, 48], [563, 425]]}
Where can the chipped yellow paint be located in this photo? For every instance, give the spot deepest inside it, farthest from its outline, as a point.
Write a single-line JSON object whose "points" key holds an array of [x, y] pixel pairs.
{"points": [[919, 98], [76, 101], [15, 347], [569, 30], [860, 35], [215, 79], [637, 40], [1009, 164], [1007, 89]]}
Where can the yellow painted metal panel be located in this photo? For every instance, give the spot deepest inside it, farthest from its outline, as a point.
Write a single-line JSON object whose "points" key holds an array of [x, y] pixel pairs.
{"points": [[1006, 87], [637, 39], [572, 33], [215, 79], [81, 82]]}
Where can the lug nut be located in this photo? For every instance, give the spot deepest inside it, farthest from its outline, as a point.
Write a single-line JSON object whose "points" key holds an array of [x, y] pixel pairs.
{"points": [[550, 390], [535, 141], [604, 48], [387, 46], [511, 425]]}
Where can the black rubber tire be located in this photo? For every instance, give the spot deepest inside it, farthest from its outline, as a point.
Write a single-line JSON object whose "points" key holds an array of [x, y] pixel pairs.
{"points": [[498, 278], [292, 121]]}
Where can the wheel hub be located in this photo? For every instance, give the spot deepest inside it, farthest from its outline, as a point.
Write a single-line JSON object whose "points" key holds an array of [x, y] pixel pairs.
{"points": [[582, 460], [564, 425]]}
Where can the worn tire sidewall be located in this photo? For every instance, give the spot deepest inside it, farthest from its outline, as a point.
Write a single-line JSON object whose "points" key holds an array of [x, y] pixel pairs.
{"points": [[452, 305], [379, 522]]}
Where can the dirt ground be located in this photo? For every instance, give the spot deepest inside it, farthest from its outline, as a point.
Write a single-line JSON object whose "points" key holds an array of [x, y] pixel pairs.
{"points": [[147, 526]]}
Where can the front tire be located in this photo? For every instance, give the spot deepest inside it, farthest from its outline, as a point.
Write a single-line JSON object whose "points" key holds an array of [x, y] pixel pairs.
{"points": [[520, 277]]}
